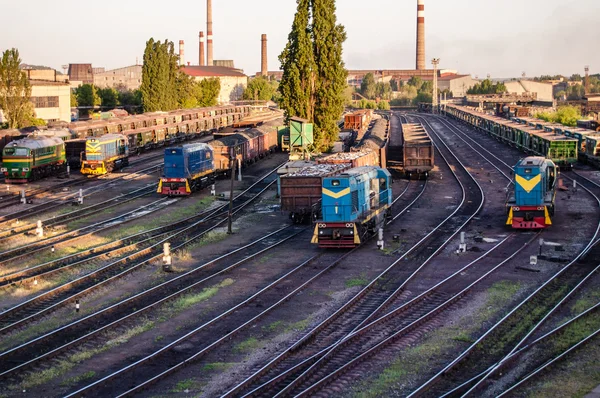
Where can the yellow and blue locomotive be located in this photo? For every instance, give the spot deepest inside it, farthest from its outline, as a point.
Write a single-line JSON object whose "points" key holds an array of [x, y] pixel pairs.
{"points": [[105, 154], [354, 205], [531, 206]]}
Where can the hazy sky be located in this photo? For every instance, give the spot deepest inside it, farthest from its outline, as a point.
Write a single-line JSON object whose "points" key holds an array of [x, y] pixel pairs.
{"points": [[503, 38]]}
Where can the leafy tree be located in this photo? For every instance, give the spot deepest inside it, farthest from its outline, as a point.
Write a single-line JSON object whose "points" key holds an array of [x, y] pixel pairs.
{"points": [[576, 77], [566, 115], [561, 94], [422, 97], [15, 91], [160, 76], [487, 87], [109, 97], [383, 90], [314, 77], [130, 98], [87, 95], [207, 91], [394, 84], [259, 89], [186, 91], [383, 105], [575, 92], [297, 84], [73, 100], [368, 87], [331, 73], [416, 82]]}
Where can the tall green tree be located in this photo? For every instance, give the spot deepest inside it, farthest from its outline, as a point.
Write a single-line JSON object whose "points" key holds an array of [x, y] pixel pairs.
{"points": [[15, 91], [314, 76], [207, 91], [368, 86], [87, 95], [109, 97], [259, 89], [328, 37], [160, 76], [297, 61]]}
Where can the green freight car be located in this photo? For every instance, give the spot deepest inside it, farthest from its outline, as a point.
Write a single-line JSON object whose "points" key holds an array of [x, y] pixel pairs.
{"points": [[32, 158]]}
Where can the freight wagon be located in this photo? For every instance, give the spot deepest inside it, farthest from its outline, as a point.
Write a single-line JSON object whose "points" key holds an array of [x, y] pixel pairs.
{"points": [[301, 190], [562, 150], [187, 169], [377, 140], [417, 151], [246, 146], [32, 158], [105, 154], [358, 158], [358, 121], [355, 204]]}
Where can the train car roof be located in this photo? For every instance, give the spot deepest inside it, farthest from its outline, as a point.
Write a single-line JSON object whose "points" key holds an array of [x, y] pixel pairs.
{"points": [[108, 137], [34, 142]]}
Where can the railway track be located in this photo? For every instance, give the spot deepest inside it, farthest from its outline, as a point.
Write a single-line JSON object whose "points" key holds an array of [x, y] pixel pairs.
{"points": [[161, 362], [7, 221], [42, 304], [518, 323], [284, 373]]}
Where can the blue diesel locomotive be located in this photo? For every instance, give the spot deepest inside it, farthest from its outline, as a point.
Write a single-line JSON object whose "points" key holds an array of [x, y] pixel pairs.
{"points": [[186, 169], [354, 205], [531, 205]]}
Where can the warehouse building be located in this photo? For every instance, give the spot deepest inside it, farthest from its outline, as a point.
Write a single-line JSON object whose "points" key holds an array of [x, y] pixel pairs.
{"points": [[233, 81], [129, 77]]}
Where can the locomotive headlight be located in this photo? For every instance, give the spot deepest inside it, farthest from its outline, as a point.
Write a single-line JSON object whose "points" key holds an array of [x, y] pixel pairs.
{"points": [[540, 208], [25, 168], [348, 225], [517, 209], [322, 225], [3, 169]]}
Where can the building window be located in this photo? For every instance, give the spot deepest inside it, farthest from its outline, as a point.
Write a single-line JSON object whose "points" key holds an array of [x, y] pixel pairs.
{"points": [[45, 102]]}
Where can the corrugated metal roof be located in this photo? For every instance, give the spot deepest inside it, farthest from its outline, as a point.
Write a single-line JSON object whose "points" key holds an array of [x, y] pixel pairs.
{"points": [[211, 71]]}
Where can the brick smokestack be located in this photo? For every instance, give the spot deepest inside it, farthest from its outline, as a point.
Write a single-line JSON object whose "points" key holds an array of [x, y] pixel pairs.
{"points": [[181, 53], [209, 34], [263, 56], [201, 50], [420, 34]]}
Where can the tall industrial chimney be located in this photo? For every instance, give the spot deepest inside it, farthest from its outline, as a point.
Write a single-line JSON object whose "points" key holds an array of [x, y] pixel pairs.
{"points": [[181, 53], [263, 56], [209, 33], [201, 50], [420, 34]]}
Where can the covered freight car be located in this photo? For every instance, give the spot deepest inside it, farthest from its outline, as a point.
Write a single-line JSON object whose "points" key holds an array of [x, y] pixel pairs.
{"points": [[301, 190], [187, 169], [417, 151]]}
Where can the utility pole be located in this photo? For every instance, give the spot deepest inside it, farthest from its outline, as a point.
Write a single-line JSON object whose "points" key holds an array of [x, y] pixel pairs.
{"points": [[587, 79], [230, 213], [434, 97]]}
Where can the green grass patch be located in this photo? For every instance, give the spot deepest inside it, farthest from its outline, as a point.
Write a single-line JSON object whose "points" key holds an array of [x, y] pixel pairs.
{"points": [[360, 281], [188, 300], [586, 302], [275, 326], [464, 337], [297, 326], [77, 379], [247, 345], [217, 366], [63, 366], [185, 385]]}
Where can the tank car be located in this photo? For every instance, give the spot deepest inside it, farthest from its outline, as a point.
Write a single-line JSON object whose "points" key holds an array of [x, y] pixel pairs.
{"points": [[354, 205], [531, 205], [186, 169], [105, 154], [32, 158]]}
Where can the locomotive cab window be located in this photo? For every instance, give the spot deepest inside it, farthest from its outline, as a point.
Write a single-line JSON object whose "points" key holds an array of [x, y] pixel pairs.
{"points": [[335, 183]]}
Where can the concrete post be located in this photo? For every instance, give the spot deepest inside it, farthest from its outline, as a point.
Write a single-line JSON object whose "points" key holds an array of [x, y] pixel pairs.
{"points": [[39, 231]]}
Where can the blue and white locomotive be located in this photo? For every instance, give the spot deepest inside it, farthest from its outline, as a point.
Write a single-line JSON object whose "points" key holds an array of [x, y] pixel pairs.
{"points": [[186, 169], [354, 205], [532, 204]]}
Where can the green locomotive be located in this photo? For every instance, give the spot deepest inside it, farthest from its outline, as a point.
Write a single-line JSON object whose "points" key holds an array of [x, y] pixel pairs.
{"points": [[32, 158]]}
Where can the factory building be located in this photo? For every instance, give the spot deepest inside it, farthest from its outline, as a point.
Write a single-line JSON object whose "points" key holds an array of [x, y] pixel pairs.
{"points": [[233, 81], [50, 95], [129, 77], [81, 74], [544, 91]]}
